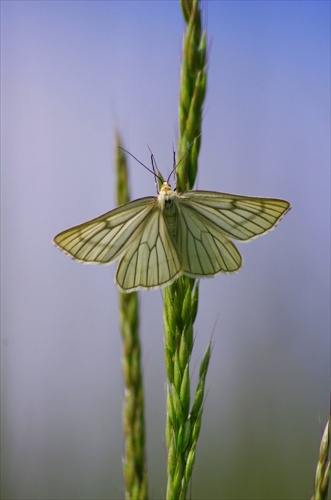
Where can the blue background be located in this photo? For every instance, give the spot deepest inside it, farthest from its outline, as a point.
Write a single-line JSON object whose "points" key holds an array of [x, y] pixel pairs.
{"points": [[70, 73]]}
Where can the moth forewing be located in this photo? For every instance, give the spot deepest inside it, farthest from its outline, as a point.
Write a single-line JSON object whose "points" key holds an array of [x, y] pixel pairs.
{"points": [[240, 217], [103, 239]]}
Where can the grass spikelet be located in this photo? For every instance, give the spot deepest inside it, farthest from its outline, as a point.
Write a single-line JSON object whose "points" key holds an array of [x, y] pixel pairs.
{"points": [[181, 298], [322, 475], [134, 461]]}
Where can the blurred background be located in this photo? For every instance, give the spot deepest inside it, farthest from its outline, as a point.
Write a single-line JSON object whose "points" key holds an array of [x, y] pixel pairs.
{"points": [[71, 72]]}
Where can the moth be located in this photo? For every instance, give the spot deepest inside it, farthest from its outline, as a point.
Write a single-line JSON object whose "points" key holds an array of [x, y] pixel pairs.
{"points": [[159, 238]]}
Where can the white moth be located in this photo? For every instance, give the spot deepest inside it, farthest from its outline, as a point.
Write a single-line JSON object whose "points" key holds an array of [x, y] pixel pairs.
{"points": [[158, 239]]}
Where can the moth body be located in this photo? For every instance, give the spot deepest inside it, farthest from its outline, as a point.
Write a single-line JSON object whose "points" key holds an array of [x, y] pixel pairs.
{"points": [[167, 204]]}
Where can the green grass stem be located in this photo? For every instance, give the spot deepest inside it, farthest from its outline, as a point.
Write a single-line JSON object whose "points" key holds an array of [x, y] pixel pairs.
{"points": [[181, 298], [322, 475], [134, 461]]}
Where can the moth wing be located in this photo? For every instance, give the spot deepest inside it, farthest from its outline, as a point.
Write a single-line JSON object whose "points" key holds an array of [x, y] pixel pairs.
{"points": [[152, 260], [240, 217], [103, 239], [205, 250]]}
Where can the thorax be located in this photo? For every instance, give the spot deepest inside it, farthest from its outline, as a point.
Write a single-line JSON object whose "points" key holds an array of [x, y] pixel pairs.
{"points": [[167, 203]]}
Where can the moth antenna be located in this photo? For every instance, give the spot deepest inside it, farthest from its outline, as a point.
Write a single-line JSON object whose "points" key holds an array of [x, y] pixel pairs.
{"points": [[156, 175], [182, 158], [174, 166]]}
